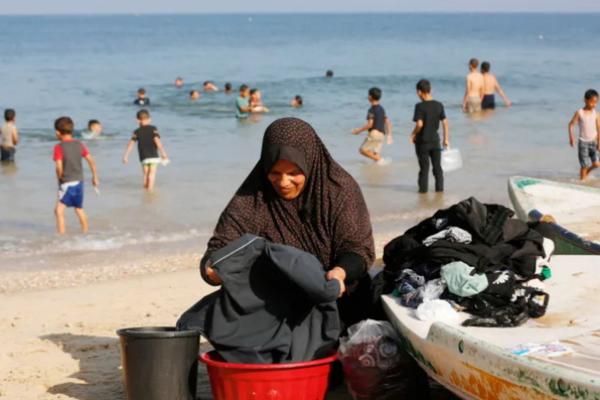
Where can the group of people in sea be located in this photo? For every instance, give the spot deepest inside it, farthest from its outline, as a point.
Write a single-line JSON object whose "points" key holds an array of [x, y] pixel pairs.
{"points": [[429, 114]]}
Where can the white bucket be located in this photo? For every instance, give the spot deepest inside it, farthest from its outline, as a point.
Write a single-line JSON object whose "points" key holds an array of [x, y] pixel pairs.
{"points": [[451, 160]]}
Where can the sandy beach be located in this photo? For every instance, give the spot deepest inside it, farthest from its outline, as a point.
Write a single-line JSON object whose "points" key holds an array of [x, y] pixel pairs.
{"points": [[60, 343], [58, 326]]}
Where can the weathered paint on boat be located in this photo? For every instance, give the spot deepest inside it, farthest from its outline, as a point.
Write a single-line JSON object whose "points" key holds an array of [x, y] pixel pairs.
{"points": [[474, 369], [565, 240]]}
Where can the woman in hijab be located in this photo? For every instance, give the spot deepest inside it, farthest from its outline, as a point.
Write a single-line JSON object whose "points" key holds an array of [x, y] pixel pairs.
{"points": [[299, 196]]}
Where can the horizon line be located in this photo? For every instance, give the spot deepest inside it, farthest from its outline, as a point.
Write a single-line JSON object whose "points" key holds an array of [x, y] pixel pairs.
{"points": [[254, 13]]}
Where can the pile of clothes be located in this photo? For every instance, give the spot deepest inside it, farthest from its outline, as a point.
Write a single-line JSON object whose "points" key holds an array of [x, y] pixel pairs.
{"points": [[477, 257]]}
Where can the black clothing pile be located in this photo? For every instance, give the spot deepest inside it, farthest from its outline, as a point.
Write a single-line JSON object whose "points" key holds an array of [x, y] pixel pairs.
{"points": [[274, 306], [506, 250]]}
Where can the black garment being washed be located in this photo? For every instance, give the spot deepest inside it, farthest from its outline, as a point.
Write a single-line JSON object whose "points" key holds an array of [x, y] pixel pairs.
{"points": [[274, 305]]}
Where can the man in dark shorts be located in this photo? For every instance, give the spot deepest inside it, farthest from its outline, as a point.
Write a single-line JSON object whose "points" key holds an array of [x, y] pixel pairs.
{"points": [[425, 136], [490, 87]]}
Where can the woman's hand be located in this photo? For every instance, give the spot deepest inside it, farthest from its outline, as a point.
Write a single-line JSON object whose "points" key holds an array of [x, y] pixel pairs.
{"points": [[212, 276], [339, 274]]}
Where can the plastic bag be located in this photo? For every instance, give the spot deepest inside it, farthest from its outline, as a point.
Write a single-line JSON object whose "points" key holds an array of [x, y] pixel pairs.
{"points": [[437, 310], [373, 361], [451, 160]]}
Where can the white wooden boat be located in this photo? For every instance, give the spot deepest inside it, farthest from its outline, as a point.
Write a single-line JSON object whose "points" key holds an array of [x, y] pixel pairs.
{"points": [[477, 363], [575, 211]]}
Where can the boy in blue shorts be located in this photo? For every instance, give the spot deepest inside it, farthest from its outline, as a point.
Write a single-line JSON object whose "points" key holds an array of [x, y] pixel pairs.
{"points": [[69, 171], [149, 146]]}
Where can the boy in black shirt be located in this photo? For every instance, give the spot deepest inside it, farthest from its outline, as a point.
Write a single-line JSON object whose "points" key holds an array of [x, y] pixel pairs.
{"points": [[425, 136], [149, 145], [378, 125]]}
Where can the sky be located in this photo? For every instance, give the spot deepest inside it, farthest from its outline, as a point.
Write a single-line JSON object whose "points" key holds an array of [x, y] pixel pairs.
{"points": [[278, 6]]}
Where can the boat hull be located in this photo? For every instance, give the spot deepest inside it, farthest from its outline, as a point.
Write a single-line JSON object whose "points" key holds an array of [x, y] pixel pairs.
{"points": [[566, 242], [475, 369]]}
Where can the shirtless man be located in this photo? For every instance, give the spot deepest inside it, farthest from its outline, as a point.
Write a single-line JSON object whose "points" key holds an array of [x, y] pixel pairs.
{"points": [[490, 87], [474, 88]]}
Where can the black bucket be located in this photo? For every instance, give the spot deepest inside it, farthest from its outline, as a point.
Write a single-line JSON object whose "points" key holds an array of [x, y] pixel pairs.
{"points": [[159, 363]]}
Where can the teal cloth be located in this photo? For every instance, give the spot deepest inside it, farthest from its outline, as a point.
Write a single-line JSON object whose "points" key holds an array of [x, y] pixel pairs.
{"points": [[457, 276], [241, 102]]}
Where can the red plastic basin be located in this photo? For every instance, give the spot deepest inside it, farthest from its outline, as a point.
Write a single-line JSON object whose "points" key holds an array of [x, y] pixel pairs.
{"points": [[289, 381]]}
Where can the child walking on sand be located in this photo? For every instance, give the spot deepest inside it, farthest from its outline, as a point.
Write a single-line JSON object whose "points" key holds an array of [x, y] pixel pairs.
{"points": [[149, 147], [69, 171], [589, 134], [378, 126], [425, 136]]}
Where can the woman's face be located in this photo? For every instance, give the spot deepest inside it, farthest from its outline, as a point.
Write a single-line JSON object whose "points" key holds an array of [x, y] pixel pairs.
{"points": [[287, 179]]}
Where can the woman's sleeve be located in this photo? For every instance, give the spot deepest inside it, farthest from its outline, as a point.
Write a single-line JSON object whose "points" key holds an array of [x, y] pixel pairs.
{"points": [[239, 217], [353, 245]]}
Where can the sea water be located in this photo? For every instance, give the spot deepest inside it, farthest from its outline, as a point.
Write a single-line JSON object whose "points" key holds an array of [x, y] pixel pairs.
{"points": [[91, 66]]}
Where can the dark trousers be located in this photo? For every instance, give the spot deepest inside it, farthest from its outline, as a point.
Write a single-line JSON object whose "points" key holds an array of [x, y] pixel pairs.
{"points": [[7, 154], [433, 152]]}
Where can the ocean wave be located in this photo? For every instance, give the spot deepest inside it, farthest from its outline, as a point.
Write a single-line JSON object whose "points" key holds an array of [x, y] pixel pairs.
{"points": [[11, 246]]}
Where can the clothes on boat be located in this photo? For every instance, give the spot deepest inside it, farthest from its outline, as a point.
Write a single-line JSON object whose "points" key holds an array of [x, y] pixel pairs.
{"points": [[462, 280], [437, 310], [498, 311], [497, 240], [452, 234], [503, 255], [413, 289], [274, 306]]}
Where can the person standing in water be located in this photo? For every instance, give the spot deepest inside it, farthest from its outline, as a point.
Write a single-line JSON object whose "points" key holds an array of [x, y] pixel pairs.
{"points": [[149, 147], [242, 103], [589, 134], [473, 89], [490, 87], [10, 136], [428, 115], [141, 99], [378, 125], [69, 172]]}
